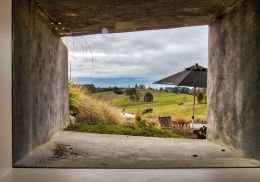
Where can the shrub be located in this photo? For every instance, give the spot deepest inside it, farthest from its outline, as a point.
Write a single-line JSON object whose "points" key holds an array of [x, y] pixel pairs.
{"points": [[138, 116], [90, 111], [200, 97], [148, 97], [142, 123], [73, 100], [134, 97], [138, 119], [124, 129], [201, 133], [90, 88], [117, 90], [205, 98], [131, 91], [149, 110]]}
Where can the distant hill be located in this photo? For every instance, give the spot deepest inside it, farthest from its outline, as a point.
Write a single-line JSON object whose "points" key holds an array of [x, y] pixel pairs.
{"points": [[112, 82], [106, 96]]}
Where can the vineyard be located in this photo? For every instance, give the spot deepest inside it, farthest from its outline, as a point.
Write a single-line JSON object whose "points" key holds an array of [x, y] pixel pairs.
{"points": [[163, 104]]}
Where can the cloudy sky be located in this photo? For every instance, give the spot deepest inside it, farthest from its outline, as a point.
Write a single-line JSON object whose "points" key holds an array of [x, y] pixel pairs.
{"points": [[149, 55]]}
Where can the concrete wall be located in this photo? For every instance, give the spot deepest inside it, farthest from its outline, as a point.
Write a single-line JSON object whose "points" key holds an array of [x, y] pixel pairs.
{"points": [[40, 68], [5, 87], [234, 79]]}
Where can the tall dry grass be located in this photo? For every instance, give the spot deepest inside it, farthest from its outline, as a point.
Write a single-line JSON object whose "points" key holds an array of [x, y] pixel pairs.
{"points": [[180, 119], [91, 111]]}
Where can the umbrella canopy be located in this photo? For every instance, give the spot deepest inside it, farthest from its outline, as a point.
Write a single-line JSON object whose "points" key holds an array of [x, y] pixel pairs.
{"points": [[194, 76]]}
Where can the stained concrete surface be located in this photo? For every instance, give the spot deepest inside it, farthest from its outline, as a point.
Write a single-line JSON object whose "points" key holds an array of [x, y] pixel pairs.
{"points": [[72, 149], [133, 175], [233, 111], [40, 80], [89, 17]]}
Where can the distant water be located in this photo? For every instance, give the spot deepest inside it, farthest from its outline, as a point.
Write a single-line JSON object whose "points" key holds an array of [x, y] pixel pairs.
{"points": [[112, 82]]}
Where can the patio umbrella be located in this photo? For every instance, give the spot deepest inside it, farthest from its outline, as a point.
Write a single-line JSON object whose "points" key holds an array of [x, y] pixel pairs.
{"points": [[194, 76]]}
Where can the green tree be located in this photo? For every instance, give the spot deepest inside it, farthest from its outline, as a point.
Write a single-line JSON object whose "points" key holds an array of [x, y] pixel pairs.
{"points": [[148, 97], [130, 91], [117, 90], [142, 86], [134, 97], [90, 88], [205, 98]]}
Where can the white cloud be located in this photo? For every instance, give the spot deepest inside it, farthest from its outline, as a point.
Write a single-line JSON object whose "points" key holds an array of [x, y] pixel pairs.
{"points": [[146, 54]]}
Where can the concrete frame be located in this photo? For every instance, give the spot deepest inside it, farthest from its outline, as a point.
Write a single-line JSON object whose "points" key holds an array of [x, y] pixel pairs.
{"points": [[40, 80], [7, 174], [6, 87], [221, 118], [233, 79]]}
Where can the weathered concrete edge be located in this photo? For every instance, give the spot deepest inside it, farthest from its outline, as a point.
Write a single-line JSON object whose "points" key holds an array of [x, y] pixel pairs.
{"points": [[242, 133], [30, 62]]}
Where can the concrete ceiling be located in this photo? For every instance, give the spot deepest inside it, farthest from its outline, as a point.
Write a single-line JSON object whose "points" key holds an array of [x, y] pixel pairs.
{"points": [[82, 17]]}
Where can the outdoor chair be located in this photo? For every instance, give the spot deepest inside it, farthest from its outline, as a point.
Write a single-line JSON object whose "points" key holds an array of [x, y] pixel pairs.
{"points": [[165, 122]]}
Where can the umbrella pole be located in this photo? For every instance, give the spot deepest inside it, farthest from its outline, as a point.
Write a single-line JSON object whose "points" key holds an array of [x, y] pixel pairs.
{"points": [[194, 99]]}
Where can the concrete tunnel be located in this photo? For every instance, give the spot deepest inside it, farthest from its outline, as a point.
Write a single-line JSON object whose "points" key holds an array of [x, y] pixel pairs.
{"points": [[40, 61]]}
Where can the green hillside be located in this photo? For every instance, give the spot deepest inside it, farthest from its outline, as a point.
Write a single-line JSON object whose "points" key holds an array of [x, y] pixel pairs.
{"points": [[163, 104]]}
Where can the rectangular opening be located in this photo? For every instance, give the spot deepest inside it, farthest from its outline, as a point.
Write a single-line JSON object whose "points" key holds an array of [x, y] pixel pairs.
{"points": [[120, 70]]}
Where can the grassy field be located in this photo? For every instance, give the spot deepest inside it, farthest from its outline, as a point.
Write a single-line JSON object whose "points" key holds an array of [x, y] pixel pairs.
{"points": [[164, 104], [124, 129]]}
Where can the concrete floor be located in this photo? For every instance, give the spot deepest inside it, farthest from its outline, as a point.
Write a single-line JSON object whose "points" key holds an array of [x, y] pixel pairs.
{"points": [[71, 149]]}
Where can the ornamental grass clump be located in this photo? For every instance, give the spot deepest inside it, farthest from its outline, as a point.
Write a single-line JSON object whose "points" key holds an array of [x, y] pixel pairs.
{"points": [[88, 110]]}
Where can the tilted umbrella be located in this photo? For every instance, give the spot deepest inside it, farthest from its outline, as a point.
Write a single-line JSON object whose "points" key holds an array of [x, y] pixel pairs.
{"points": [[194, 76]]}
